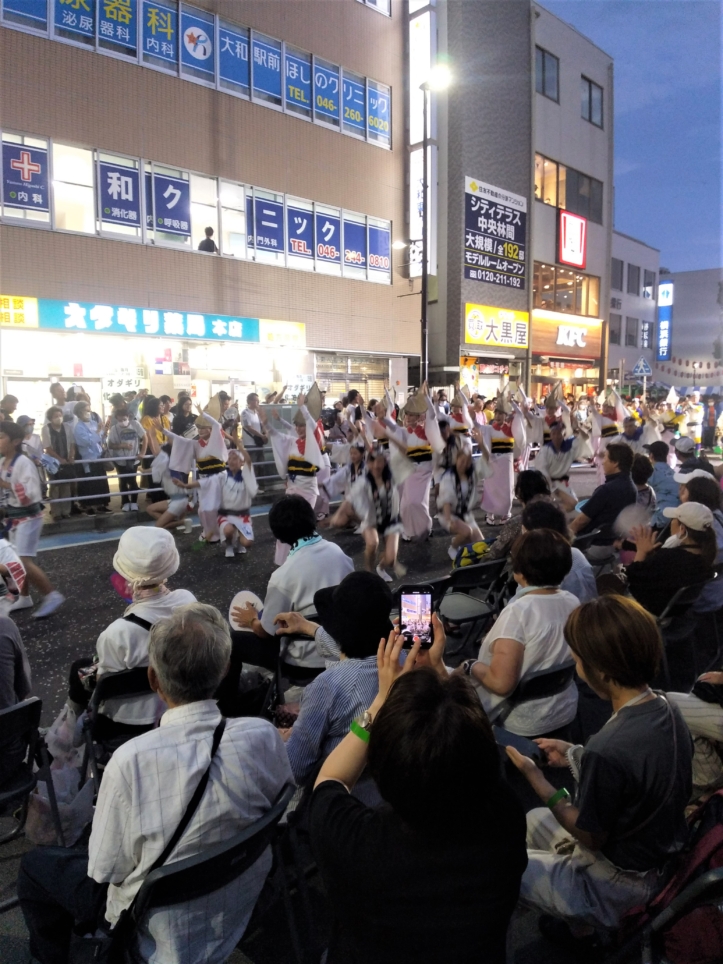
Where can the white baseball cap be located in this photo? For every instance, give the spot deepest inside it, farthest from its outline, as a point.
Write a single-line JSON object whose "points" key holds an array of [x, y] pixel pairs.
{"points": [[693, 515], [684, 445], [695, 474]]}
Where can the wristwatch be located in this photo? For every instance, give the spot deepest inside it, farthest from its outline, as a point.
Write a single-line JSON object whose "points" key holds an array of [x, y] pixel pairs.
{"points": [[365, 721], [467, 666]]}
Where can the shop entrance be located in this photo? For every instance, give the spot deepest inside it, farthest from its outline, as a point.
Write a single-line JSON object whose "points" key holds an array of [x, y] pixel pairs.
{"points": [[34, 397]]}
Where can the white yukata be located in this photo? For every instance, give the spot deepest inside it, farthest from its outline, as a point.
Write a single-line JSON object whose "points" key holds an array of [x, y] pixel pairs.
{"points": [[377, 508], [299, 461], [210, 462], [462, 495], [555, 466], [498, 490], [237, 494], [341, 482], [25, 508], [179, 500]]}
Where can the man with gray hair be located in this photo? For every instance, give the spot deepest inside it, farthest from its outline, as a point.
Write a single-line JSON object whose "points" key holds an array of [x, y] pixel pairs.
{"points": [[145, 792]]}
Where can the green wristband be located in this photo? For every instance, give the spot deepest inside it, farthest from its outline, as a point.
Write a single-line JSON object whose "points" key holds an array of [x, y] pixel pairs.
{"points": [[556, 797], [359, 731]]}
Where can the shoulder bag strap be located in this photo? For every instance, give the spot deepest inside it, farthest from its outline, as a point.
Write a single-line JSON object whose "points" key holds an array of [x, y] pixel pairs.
{"points": [[143, 623]]}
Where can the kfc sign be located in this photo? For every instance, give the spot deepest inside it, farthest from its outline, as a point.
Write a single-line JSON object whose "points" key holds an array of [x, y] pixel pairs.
{"points": [[572, 240], [572, 336]]}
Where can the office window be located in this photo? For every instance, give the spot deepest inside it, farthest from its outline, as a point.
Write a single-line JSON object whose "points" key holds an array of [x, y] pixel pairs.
{"points": [[547, 69], [383, 6], [204, 208], [566, 291], [233, 219], [592, 102], [616, 274], [614, 327], [543, 286], [567, 188], [645, 334], [73, 189], [649, 284], [631, 332], [633, 279], [545, 180], [596, 201]]}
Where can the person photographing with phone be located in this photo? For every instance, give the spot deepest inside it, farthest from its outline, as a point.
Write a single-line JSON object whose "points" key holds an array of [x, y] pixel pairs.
{"points": [[426, 886]]}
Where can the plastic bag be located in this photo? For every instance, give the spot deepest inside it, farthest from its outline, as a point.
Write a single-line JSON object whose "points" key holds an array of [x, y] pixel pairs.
{"points": [[75, 807], [60, 739]]}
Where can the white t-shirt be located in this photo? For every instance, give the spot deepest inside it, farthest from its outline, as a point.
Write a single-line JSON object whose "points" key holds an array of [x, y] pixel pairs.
{"points": [[292, 586], [251, 418], [537, 622]]}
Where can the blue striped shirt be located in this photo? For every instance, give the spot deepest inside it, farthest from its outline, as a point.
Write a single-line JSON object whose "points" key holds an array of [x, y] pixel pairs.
{"points": [[328, 706]]}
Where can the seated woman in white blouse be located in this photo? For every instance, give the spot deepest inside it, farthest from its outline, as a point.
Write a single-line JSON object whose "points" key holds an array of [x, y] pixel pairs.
{"points": [[528, 637]]}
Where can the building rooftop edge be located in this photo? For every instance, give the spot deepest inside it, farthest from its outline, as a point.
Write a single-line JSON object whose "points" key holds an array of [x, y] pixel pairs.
{"points": [[645, 244], [572, 27]]}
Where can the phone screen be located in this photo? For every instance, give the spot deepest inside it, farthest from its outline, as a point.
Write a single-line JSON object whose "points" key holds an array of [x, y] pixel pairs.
{"points": [[415, 616]]}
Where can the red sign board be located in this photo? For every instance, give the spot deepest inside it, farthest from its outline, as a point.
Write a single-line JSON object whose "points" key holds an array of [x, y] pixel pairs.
{"points": [[572, 240]]}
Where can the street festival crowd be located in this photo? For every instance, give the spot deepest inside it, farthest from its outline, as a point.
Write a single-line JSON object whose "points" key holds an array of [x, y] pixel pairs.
{"points": [[435, 796]]}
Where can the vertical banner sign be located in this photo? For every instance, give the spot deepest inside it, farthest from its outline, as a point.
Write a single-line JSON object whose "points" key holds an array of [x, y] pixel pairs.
{"points": [[172, 200], [495, 226], [118, 23], [380, 249], [119, 198], [250, 222], [328, 238], [298, 82], [300, 232], [378, 119], [355, 244], [233, 55], [266, 57], [354, 104], [197, 44], [269, 225], [160, 29], [25, 177], [665, 320], [76, 16], [31, 13], [326, 93]]}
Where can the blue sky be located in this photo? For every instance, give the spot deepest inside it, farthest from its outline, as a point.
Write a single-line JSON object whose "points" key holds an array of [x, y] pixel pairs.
{"points": [[668, 167]]}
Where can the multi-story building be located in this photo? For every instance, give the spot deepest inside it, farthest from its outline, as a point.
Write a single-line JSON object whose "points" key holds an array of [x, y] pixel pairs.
{"points": [[130, 127], [521, 194], [634, 271]]}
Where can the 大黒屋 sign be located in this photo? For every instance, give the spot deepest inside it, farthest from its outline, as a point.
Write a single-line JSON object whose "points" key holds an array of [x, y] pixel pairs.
{"points": [[495, 230]]}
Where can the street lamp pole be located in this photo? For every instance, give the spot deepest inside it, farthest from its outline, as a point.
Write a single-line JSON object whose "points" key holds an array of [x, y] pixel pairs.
{"points": [[424, 366]]}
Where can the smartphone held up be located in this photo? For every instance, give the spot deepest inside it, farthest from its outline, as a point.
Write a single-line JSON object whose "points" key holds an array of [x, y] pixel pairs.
{"points": [[415, 615]]}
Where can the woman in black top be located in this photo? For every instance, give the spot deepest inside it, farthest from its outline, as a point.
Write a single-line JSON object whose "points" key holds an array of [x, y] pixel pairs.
{"points": [[184, 418], [685, 559], [434, 874]]}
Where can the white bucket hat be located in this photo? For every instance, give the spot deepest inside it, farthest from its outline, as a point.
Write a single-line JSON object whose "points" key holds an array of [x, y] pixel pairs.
{"points": [[146, 556]]}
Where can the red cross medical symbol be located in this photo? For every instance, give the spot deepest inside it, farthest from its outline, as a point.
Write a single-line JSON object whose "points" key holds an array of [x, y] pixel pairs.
{"points": [[25, 165]]}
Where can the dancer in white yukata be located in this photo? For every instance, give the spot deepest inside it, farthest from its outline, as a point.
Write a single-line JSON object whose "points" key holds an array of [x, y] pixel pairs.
{"points": [[209, 453], [606, 425], [169, 514], [350, 458], [298, 460], [459, 494], [499, 438], [460, 419], [555, 458], [376, 501]]}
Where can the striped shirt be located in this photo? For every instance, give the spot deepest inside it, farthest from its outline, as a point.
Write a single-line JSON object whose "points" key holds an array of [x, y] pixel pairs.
{"points": [[329, 704]]}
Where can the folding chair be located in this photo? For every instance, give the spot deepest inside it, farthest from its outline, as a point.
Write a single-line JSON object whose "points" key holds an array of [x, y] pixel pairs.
{"points": [[99, 730], [218, 866], [264, 653], [677, 628], [583, 543], [537, 686], [19, 730], [459, 608], [297, 675]]}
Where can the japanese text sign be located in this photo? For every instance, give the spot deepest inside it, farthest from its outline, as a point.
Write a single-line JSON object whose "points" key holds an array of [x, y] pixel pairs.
{"points": [[18, 312], [118, 22], [76, 16], [25, 177], [119, 194], [326, 93], [269, 220], [378, 114], [665, 321], [172, 201], [355, 243], [496, 327], [300, 232], [266, 67], [495, 227], [328, 238], [354, 103], [380, 244], [298, 81], [233, 54], [160, 29]]}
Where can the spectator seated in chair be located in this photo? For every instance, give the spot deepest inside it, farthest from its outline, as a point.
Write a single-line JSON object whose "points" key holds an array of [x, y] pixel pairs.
{"points": [[312, 564], [607, 501], [530, 486], [355, 614], [580, 580], [416, 881], [591, 862], [145, 792]]}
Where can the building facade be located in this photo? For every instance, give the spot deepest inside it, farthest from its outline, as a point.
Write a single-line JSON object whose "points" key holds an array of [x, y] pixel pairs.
{"points": [[522, 168], [634, 270], [130, 127]]}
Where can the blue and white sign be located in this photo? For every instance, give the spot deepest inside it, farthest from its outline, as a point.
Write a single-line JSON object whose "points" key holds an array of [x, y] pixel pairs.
{"points": [[298, 81], [172, 202], [328, 238], [642, 368], [119, 320], [380, 249], [25, 177], [118, 22], [77, 16], [33, 13], [119, 190], [300, 232], [326, 93], [378, 113], [266, 70], [665, 321], [269, 218], [354, 105], [160, 32], [355, 244], [233, 55], [197, 47]]}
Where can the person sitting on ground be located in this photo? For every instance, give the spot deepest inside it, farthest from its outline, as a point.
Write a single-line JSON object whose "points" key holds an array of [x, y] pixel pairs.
{"points": [[146, 558], [528, 637], [607, 501], [312, 564], [663, 483], [580, 580], [530, 485], [591, 863], [432, 890], [640, 473], [189, 654], [356, 616], [685, 559]]}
